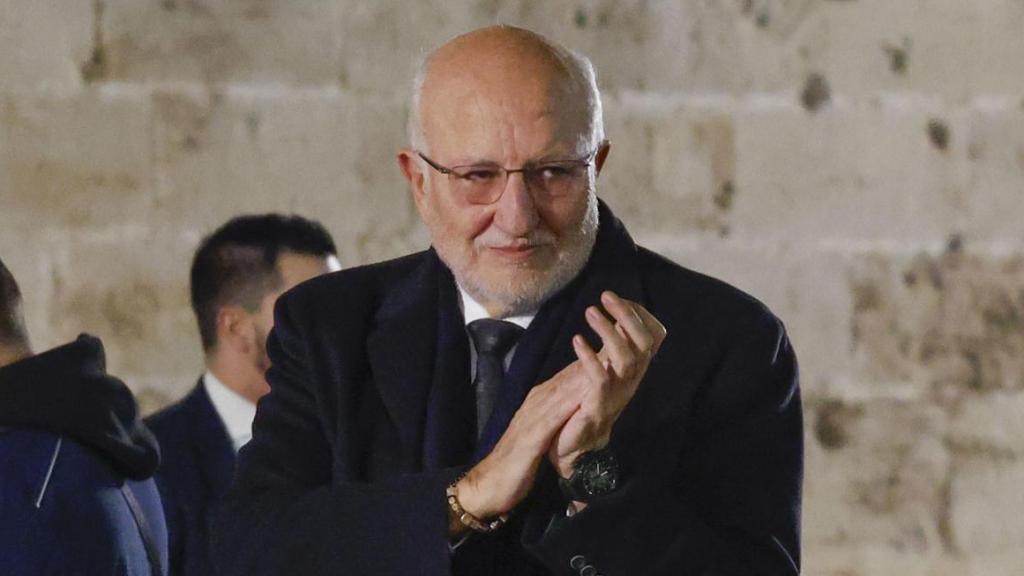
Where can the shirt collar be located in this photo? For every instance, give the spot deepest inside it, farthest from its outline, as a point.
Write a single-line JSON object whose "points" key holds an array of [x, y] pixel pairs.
{"points": [[234, 410], [473, 310]]}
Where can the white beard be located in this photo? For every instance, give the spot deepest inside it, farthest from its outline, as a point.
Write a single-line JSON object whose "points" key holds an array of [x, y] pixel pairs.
{"points": [[527, 293]]}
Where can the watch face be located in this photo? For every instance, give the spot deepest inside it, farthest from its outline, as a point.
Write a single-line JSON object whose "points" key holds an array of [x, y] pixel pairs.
{"points": [[599, 473]]}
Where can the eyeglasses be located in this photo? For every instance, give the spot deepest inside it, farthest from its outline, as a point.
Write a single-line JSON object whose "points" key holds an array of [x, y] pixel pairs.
{"points": [[484, 183]]}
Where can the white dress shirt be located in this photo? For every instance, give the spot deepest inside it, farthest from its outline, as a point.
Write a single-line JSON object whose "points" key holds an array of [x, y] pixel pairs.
{"points": [[235, 411]]}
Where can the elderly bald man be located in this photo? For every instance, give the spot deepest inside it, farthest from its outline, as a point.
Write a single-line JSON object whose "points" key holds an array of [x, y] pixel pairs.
{"points": [[534, 394]]}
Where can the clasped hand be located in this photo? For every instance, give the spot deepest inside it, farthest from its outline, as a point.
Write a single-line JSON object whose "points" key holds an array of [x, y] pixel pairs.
{"points": [[571, 413]]}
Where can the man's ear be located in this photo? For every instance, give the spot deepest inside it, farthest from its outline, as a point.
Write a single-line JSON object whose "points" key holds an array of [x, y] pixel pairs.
{"points": [[234, 329], [602, 155], [412, 170]]}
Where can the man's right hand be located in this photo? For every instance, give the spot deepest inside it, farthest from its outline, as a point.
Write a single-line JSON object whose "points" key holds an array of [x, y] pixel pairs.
{"points": [[503, 479]]}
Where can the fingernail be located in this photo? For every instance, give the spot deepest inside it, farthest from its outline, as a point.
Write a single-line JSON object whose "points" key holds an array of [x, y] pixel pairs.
{"points": [[607, 296], [592, 312]]}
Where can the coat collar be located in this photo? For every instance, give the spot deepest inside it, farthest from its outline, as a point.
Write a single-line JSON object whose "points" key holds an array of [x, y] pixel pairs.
{"points": [[402, 346]]}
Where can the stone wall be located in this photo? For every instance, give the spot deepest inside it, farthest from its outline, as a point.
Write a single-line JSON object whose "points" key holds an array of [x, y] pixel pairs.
{"points": [[856, 164]]}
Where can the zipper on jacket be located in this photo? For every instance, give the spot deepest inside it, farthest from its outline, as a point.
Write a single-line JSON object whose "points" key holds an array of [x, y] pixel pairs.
{"points": [[49, 472]]}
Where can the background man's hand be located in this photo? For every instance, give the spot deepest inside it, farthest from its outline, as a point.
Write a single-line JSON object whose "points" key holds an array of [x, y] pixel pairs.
{"points": [[613, 376]]}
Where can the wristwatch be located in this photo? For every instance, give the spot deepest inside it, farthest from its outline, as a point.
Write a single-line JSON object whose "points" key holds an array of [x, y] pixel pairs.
{"points": [[594, 474]]}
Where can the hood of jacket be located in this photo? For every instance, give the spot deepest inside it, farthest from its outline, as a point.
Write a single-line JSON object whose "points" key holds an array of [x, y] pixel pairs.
{"points": [[67, 390]]}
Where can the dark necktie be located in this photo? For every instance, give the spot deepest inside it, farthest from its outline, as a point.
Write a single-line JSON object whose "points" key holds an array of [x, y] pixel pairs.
{"points": [[492, 339]]}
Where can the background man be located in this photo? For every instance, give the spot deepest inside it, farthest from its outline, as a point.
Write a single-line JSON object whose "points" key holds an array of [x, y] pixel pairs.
{"points": [[403, 416], [237, 274], [76, 494]]}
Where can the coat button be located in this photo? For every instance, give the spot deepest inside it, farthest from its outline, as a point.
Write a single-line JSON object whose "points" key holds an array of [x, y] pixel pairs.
{"points": [[577, 562], [588, 570]]}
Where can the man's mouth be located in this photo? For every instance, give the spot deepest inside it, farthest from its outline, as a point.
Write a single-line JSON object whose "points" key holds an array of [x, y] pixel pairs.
{"points": [[518, 253], [515, 249]]}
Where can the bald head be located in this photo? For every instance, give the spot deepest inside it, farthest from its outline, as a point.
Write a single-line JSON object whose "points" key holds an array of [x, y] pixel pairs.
{"points": [[13, 336], [504, 68]]}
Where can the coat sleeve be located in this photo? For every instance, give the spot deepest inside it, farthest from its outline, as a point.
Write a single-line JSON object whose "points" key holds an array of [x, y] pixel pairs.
{"points": [[719, 494], [288, 512]]}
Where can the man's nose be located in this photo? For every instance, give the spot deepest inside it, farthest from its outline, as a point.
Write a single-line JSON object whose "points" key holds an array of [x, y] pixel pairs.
{"points": [[516, 211]]}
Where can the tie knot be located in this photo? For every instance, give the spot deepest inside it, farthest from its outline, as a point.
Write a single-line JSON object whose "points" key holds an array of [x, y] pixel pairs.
{"points": [[494, 336]]}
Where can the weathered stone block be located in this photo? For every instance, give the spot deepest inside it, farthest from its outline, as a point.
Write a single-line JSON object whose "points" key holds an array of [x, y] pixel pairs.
{"points": [[76, 161], [986, 506], [874, 46], [861, 48], [990, 424], [953, 323], [953, 49], [997, 66], [322, 154], [44, 45], [995, 145], [875, 560], [294, 42], [671, 170], [382, 42], [645, 46], [130, 288], [868, 173], [875, 476], [1004, 562]]}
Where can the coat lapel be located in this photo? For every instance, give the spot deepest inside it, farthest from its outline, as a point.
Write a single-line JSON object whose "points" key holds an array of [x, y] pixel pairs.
{"points": [[401, 348], [451, 410]]}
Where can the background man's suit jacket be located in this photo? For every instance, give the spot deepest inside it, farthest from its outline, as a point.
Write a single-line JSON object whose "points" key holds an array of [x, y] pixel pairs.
{"points": [[198, 460], [367, 423]]}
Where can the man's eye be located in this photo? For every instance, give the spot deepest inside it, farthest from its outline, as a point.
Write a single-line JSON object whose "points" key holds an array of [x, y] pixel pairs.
{"points": [[554, 171], [479, 175]]}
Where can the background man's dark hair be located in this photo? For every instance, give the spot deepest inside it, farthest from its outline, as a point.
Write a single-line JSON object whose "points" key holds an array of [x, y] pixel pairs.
{"points": [[12, 323], [237, 264]]}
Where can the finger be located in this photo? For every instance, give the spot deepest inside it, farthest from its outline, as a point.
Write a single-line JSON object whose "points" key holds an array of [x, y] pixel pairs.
{"points": [[654, 326], [618, 349], [625, 314], [596, 372]]}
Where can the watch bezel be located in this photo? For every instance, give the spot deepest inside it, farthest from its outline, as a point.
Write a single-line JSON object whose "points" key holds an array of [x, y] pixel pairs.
{"points": [[580, 486]]}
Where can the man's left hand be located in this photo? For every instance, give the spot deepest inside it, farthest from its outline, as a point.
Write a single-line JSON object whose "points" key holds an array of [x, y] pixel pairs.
{"points": [[628, 345]]}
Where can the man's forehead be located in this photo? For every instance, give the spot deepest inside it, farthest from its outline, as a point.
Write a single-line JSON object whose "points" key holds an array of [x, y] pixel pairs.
{"points": [[499, 104], [467, 94], [476, 128]]}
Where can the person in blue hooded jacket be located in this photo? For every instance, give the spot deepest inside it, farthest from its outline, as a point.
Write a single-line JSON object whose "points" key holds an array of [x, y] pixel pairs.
{"points": [[76, 461]]}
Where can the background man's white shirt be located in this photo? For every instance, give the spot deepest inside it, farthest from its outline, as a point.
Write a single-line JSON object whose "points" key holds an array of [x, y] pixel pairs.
{"points": [[235, 411]]}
